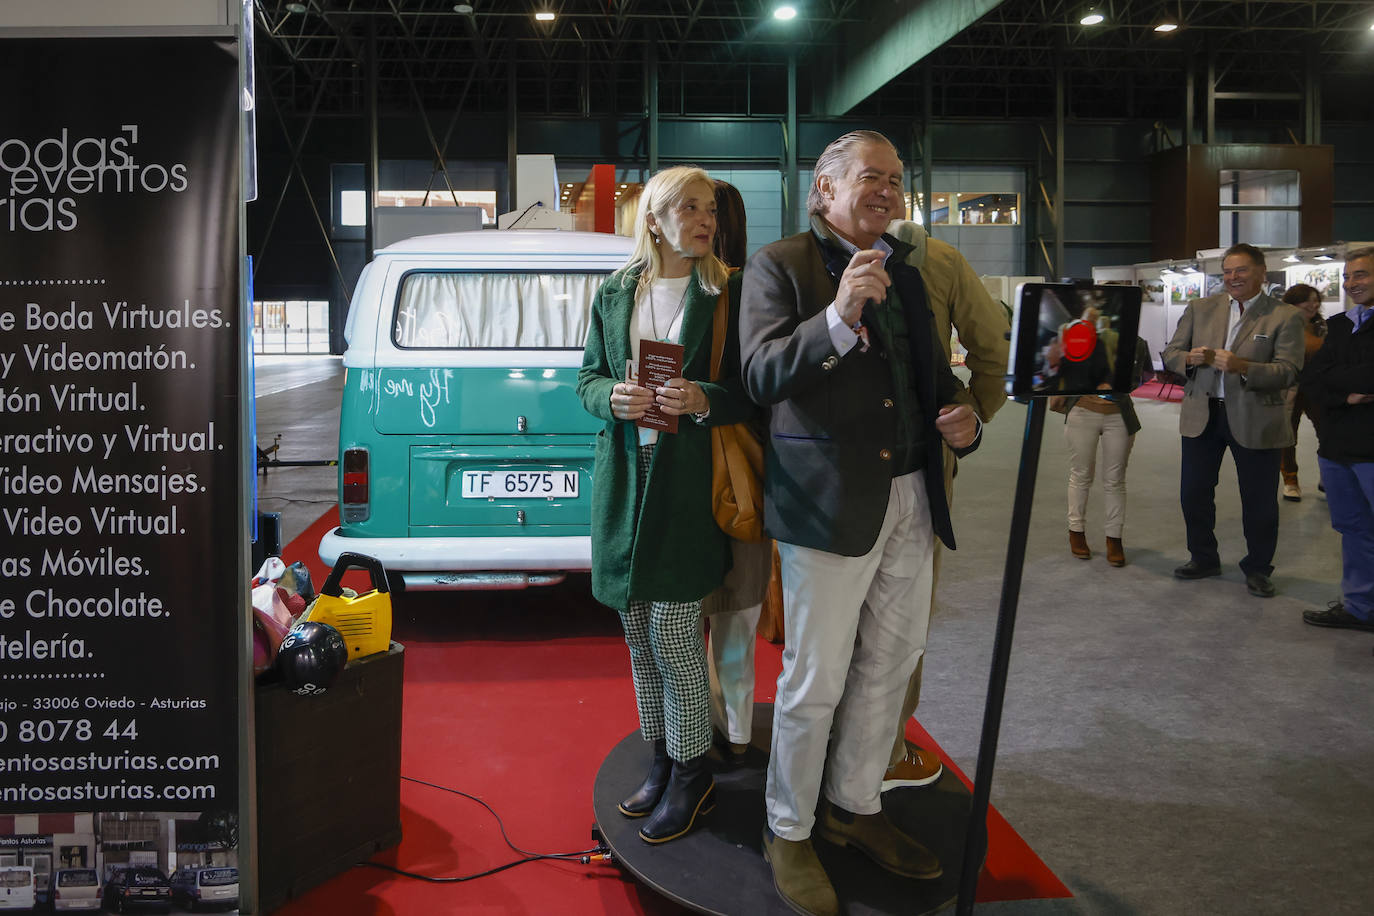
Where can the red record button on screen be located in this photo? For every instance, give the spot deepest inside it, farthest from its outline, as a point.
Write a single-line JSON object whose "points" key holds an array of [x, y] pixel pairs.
{"points": [[1079, 339]]}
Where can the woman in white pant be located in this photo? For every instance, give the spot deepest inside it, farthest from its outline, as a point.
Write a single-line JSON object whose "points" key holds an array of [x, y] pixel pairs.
{"points": [[733, 609], [1108, 419]]}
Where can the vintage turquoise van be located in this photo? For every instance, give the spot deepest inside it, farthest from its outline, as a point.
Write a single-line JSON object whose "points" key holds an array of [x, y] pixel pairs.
{"points": [[465, 457]]}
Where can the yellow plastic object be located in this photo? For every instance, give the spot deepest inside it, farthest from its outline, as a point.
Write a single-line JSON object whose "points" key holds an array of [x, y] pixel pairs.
{"points": [[365, 620]]}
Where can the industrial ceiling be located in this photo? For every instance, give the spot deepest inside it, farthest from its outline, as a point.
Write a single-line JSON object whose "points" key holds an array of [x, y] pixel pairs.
{"points": [[1263, 59]]}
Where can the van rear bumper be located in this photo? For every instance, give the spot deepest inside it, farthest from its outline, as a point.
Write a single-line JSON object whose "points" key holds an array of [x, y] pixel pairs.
{"points": [[468, 563]]}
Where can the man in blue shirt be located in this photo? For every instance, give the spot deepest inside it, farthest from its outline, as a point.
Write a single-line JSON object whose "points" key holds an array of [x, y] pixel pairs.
{"points": [[1341, 379]]}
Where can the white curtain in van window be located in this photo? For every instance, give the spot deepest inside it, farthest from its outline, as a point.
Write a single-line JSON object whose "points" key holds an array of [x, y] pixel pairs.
{"points": [[494, 310]]}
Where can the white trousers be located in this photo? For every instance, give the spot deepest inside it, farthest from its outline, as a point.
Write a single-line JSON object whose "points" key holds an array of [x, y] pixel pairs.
{"points": [[855, 628], [731, 668], [733, 611], [1082, 431]]}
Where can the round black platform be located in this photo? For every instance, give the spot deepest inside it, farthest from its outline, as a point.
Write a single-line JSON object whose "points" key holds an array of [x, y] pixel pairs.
{"points": [[718, 867]]}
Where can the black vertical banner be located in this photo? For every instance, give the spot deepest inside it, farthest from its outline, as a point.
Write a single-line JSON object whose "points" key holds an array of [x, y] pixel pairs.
{"points": [[120, 493]]}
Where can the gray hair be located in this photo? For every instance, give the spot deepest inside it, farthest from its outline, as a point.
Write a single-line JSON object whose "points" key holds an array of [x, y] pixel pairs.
{"points": [[1355, 254], [834, 159]]}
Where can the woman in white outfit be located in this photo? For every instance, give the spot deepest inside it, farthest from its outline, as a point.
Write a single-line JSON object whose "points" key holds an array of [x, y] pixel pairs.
{"points": [[1108, 419], [733, 609]]}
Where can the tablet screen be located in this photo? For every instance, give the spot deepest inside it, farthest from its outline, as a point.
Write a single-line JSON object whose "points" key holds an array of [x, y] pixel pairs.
{"points": [[1074, 339]]}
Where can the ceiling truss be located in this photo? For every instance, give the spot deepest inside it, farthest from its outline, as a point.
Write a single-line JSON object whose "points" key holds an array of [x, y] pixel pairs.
{"points": [[729, 57]]}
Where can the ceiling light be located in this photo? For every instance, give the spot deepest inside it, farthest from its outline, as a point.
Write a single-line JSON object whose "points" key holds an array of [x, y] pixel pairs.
{"points": [[1168, 25], [296, 8], [463, 8], [1091, 16], [785, 13], [1323, 257], [1292, 259], [544, 17]]}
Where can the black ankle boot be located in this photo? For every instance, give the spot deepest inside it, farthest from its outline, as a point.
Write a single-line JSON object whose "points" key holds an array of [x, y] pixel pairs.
{"points": [[644, 799], [690, 792]]}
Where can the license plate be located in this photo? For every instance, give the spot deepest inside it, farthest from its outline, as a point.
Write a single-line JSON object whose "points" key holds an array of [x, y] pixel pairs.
{"points": [[524, 484]]}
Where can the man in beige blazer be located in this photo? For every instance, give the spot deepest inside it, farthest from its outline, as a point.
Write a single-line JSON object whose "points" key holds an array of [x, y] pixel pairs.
{"points": [[1241, 351]]}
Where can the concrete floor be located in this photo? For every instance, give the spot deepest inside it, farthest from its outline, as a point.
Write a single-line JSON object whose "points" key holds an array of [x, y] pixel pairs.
{"points": [[298, 400]]}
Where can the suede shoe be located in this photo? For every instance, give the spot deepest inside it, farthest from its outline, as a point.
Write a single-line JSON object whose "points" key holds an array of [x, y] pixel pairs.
{"points": [[798, 876], [1336, 615], [1259, 585], [1116, 554], [731, 752], [643, 800], [918, 767], [875, 837], [1194, 570], [1078, 545]]}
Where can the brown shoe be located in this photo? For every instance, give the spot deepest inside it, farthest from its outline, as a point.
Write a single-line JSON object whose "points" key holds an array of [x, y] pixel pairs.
{"points": [[1115, 555], [875, 837], [1078, 544], [918, 767], [798, 876]]}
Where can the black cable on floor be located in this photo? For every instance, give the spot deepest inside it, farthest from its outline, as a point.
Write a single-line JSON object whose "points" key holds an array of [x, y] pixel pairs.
{"points": [[585, 856], [455, 878]]}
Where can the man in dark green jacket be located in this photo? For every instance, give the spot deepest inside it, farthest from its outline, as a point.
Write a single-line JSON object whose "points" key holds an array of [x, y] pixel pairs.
{"points": [[837, 340]]}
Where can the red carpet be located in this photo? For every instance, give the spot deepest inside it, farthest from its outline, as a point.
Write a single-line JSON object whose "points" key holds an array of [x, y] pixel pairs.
{"points": [[517, 699], [1159, 390]]}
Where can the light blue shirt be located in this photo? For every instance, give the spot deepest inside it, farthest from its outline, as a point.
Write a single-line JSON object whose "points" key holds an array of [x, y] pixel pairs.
{"points": [[841, 334], [1359, 315]]}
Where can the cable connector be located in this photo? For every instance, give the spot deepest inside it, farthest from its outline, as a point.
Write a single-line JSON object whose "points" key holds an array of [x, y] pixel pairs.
{"points": [[602, 854]]}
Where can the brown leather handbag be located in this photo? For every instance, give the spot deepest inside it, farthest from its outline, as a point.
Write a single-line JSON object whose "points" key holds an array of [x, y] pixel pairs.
{"points": [[736, 455]]}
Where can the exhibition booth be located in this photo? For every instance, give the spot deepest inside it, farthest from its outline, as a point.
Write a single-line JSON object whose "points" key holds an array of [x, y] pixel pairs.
{"points": [[1168, 286]]}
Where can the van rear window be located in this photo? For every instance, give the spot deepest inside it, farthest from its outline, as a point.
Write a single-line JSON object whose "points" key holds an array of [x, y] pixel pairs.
{"points": [[218, 876], [15, 877], [471, 310], [72, 877]]}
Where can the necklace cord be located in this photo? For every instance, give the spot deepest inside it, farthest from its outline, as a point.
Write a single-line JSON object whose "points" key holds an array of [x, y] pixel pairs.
{"points": [[653, 312]]}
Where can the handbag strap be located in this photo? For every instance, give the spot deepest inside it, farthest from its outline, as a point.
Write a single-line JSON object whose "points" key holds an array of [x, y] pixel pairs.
{"points": [[720, 322]]}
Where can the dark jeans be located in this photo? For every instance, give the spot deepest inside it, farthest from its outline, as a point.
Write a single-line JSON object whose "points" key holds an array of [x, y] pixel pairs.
{"points": [[1290, 455], [1350, 494], [1257, 472]]}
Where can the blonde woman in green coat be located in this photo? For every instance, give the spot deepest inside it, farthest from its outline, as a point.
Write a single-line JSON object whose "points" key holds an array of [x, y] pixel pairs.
{"points": [[656, 548]]}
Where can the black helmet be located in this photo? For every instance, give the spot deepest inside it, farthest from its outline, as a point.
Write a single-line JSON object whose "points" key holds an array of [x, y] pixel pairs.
{"points": [[311, 657]]}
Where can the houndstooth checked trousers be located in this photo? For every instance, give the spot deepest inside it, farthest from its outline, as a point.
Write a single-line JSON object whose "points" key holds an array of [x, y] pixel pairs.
{"points": [[668, 664]]}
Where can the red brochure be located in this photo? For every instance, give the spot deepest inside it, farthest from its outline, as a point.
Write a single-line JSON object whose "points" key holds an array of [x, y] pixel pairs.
{"points": [[658, 362]]}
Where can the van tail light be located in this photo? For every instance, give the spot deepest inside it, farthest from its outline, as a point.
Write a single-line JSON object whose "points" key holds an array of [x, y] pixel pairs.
{"points": [[353, 502]]}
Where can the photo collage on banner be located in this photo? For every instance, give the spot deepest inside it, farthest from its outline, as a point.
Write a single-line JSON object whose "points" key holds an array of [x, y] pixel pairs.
{"points": [[120, 455]]}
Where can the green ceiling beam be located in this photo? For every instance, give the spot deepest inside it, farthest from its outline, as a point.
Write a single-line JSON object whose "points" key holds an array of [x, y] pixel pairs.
{"points": [[879, 51]]}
